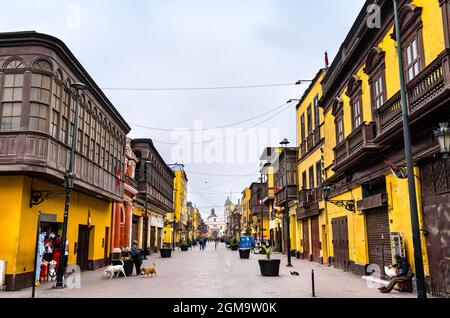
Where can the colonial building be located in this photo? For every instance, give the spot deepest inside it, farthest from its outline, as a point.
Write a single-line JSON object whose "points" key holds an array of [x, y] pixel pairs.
{"points": [[155, 196], [216, 225], [177, 221], [353, 145], [37, 119], [310, 239], [259, 212], [121, 220]]}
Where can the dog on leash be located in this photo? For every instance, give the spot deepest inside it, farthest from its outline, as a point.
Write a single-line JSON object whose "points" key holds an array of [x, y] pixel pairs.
{"points": [[149, 271], [114, 271]]}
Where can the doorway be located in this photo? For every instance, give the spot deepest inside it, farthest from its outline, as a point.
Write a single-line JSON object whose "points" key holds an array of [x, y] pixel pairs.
{"points": [[83, 247], [315, 239], [305, 237], [340, 243]]}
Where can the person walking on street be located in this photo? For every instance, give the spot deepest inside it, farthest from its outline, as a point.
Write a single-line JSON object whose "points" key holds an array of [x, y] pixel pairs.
{"points": [[137, 258]]}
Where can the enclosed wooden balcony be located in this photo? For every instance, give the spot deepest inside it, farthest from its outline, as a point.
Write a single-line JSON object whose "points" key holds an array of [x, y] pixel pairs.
{"points": [[308, 202], [356, 147], [292, 193], [425, 92]]}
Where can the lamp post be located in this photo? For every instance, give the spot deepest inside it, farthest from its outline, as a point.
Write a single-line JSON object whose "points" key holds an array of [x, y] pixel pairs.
{"points": [[173, 231], [417, 246], [146, 163], [284, 144], [443, 136], [69, 185]]}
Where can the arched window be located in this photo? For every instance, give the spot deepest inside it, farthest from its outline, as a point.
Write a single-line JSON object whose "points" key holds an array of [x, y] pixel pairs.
{"points": [[42, 65], [354, 91], [375, 68], [14, 63]]}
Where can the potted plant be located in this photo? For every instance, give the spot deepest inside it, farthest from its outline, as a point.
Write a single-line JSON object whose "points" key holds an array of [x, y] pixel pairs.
{"points": [[184, 246], [244, 253], [166, 251], [234, 244], [269, 267]]}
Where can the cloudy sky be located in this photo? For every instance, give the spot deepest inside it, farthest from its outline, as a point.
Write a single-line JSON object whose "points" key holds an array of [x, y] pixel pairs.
{"points": [[198, 44]]}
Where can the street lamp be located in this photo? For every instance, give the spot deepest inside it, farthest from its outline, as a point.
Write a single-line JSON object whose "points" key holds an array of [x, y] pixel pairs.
{"points": [[417, 246], [146, 163], [443, 136], [284, 143], [69, 180]]}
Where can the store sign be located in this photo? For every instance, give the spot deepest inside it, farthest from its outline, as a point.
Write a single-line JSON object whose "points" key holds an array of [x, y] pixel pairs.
{"points": [[272, 224], [157, 221]]}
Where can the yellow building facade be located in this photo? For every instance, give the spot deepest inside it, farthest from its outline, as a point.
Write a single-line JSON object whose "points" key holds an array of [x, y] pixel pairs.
{"points": [[364, 216]]}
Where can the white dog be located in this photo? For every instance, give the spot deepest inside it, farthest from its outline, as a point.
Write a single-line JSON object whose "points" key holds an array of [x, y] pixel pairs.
{"points": [[113, 269], [51, 270]]}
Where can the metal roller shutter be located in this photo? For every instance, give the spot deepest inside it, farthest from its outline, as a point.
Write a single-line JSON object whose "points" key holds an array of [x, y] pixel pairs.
{"points": [[378, 237]]}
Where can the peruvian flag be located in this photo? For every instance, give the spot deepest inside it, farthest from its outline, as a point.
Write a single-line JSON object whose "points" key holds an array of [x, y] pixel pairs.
{"points": [[326, 59], [258, 202], [278, 188]]}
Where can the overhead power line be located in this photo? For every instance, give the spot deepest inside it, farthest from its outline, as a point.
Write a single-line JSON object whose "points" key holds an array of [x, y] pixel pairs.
{"points": [[211, 128], [226, 137], [203, 88], [220, 175]]}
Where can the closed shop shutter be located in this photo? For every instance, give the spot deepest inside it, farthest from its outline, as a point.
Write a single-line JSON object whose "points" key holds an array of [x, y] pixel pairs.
{"points": [[305, 230], [378, 237]]}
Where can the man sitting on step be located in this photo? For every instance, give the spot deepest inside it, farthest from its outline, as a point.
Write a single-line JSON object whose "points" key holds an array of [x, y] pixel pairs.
{"points": [[403, 274]]}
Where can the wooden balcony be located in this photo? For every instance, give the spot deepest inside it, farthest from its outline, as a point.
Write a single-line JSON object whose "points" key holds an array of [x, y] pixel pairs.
{"points": [[308, 204], [310, 142], [355, 148], [424, 93], [280, 196], [36, 153], [317, 135]]}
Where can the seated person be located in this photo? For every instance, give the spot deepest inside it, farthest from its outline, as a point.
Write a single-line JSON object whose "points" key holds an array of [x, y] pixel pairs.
{"points": [[403, 274]]}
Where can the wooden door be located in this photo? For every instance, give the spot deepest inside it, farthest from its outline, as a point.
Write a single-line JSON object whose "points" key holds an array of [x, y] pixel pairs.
{"points": [[378, 238], [305, 231], [83, 247], [315, 239], [435, 177], [340, 243], [134, 228]]}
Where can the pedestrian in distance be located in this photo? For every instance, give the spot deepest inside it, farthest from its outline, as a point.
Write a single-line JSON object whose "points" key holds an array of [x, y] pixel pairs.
{"points": [[137, 258]]}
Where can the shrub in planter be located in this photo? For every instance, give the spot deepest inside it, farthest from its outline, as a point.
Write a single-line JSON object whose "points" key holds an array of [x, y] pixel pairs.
{"points": [[184, 246], [269, 267], [244, 253], [234, 244], [166, 252]]}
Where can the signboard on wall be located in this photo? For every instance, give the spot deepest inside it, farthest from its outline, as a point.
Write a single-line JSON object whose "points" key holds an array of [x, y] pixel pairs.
{"points": [[157, 221]]}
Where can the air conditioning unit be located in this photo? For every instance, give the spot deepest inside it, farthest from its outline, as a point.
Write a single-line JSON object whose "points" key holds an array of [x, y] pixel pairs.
{"points": [[397, 245], [2, 274]]}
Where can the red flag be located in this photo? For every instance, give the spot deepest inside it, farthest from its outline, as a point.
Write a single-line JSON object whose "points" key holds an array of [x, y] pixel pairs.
{"points": [[326, 59], [278, 188], [118, 175]]}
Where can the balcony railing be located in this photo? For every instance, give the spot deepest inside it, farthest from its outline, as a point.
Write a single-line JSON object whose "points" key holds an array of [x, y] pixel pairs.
{"points": [[420, 92], [131, 182], [310, 142], [360, 139], [303, 148], [317, 135]]}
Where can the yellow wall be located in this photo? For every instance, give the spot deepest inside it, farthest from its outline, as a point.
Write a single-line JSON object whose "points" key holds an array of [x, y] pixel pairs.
{"points": [[399, 214], [356, 227], [20, 221]]}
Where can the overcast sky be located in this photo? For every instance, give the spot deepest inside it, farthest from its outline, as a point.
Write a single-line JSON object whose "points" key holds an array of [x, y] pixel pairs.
{"points": [[204, 43]]}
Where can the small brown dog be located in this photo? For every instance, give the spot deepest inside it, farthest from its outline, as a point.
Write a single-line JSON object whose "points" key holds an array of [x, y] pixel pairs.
{"points": [[149, 271]]}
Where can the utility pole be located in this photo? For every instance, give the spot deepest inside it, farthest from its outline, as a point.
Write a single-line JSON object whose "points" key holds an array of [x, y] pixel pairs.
{"points": [[418, 261]]}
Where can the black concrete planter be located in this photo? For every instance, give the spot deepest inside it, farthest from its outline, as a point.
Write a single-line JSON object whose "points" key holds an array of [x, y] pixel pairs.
{"points": [[184, 248], [244, 253], [234, 247], [166, 252], [269, 267], [127, 266]]}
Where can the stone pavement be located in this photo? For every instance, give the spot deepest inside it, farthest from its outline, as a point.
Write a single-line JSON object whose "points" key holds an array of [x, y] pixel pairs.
{"points": [[217, 274]]}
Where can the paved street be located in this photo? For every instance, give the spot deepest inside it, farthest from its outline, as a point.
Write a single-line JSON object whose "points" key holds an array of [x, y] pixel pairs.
{"points": [[217, 274]]}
